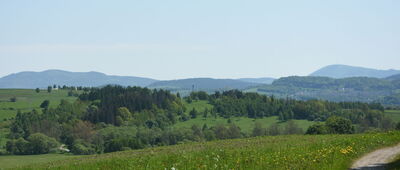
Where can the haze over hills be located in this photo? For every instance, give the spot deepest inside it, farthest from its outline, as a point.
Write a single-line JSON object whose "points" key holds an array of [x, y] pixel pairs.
{"points": [[364, 89], [343, 71], [395, 77], [263, 80], [29, 80], [206, 84], [325, 83]]}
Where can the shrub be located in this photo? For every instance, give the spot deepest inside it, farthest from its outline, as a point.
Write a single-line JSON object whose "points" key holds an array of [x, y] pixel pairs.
{"points": [[13, 99], [339, 125], [81, 148], [317, 129], [18, 147], [40, 143], [45, 104]]}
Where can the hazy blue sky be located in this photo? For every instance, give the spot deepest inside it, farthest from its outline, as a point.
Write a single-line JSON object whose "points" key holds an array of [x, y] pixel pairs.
{"points": [[168, 39]]}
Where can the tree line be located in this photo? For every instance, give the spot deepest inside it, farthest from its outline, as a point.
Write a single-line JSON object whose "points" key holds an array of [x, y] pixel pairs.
{"points": [[115, 118]]}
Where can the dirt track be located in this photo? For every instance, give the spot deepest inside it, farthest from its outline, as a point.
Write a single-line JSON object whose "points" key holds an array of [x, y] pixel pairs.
{"points": [[377, 159]]}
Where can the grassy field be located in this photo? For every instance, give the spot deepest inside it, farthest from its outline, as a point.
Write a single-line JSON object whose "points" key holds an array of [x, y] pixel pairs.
{"points": [[16, 161], [199, 105], [278, 152], [393, 114], [28, 99]]}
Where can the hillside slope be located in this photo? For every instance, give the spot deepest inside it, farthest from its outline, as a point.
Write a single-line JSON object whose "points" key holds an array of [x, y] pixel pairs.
{"points": [[273, 152], [29, 80], [343, 71]]}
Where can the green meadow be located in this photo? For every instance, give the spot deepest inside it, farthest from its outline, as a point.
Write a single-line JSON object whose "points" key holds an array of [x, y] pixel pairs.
{"points": [[14, 161], [28, 99], [273, 152], [393, 114]]}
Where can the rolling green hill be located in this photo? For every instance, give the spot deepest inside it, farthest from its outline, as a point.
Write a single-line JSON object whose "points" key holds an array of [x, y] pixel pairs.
{"points": [[280, 152], [28, 99]]}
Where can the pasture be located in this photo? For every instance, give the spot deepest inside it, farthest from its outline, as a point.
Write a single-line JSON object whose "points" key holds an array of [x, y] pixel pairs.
{"points": [[273, 152], [28, 99], [14, 161]]}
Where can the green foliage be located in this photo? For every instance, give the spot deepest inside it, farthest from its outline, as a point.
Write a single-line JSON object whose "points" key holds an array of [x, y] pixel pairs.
{"points": [[45, 104], [193, 113], [150, 104], [49, 89], [80, 147], [115, 118], [41, 144], [339, 125], [13, 99], [37, 90], [317, 129], [238, 104], [200, 95], [35, 144], [334, 125]]}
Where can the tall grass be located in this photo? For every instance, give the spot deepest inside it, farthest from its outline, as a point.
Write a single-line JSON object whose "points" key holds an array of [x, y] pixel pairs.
{"points": [[279, 152]]}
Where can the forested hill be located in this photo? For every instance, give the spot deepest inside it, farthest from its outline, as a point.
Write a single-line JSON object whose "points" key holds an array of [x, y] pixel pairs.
{"points": [[343, 71], [347, 89], [31, 80], [204, 84]]}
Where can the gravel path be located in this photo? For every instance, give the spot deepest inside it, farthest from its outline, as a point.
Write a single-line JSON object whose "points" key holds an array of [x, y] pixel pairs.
{"points": [[377, 159]]}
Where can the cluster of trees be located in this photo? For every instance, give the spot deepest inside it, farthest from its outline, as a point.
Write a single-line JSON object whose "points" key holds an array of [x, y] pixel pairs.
{"points": [[116, 104], [334, 125], [13, 99], [35, 144], [64, 87], [235, 103]]}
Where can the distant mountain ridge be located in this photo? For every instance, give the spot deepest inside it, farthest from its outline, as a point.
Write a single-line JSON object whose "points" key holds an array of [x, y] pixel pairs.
{"points": [[30, 80], [345, 71]]}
